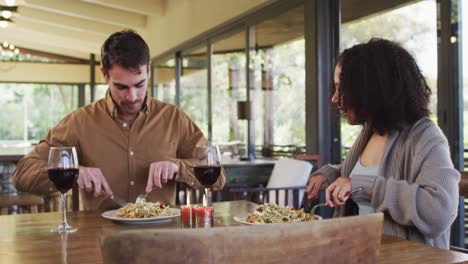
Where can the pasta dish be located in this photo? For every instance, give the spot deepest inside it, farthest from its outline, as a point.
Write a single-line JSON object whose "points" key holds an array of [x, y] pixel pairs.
{"points": [[143, 210], [275, 214]]}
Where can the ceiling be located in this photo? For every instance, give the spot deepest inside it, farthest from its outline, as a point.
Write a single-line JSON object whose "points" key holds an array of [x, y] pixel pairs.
{"points": [[289, 26], [77, 28]]}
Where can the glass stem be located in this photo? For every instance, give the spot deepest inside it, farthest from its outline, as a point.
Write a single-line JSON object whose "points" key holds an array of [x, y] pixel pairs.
{"points": [[208, 197], [64, 210]]}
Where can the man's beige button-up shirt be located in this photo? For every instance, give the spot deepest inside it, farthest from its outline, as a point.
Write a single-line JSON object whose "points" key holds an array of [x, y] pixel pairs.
{"points": [[161, 132]]}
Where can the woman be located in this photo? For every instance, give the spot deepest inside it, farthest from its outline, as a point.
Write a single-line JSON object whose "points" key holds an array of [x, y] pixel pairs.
{"points": [[401, 158]]}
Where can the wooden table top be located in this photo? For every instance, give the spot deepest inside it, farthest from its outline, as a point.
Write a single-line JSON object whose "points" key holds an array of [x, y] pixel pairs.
{"points": [[26, 238]]}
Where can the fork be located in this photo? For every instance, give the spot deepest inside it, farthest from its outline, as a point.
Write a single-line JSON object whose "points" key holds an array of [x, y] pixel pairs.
{"points": [[142, 197], [324, 204]]}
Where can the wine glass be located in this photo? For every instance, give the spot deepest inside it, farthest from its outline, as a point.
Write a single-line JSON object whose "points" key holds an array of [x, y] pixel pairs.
{"points": [[63, 171], [207, 167]]}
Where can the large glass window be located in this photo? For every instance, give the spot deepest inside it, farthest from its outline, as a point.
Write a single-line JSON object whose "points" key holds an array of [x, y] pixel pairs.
{"points": [[417, 33], [229, 91], [30, 110], [164, 81], [100, 91], [194, 87], [279, 94]]}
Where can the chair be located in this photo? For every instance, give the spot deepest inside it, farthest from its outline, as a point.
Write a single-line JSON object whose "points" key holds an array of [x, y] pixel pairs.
{"points": [[458, 249], [286, 185], [261, 195], [312, 158], [21, 203], [53, 201], [343, 240], [183, 190], [463, 191]]}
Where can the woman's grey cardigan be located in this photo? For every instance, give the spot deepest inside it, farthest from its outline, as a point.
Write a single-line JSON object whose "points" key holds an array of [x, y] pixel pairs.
{"points": [[417, 185]]}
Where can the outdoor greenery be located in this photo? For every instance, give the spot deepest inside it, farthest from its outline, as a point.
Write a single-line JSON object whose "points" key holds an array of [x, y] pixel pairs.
{"points": [[193, 98], [30, 110]]}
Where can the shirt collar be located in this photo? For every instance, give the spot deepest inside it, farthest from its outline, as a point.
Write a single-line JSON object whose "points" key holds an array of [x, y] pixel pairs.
{"points": [[112, 107]]}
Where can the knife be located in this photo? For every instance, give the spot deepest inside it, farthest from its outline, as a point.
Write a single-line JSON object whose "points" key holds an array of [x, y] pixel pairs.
{"points": [[117, 200]]}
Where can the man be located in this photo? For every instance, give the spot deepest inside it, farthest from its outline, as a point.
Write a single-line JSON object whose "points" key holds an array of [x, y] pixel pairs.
{"points": [[127, 143]]}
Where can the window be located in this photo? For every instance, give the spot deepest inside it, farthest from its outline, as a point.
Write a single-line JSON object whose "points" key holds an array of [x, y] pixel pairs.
{"points": [[30, 110], [194, 87], [164, 81], [279, 94], [229, 88], [417, 33], [100, 91]]}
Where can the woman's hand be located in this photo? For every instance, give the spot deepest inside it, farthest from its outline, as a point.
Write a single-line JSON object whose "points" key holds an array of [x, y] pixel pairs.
{"points": [[317, 183], [338, 192]]}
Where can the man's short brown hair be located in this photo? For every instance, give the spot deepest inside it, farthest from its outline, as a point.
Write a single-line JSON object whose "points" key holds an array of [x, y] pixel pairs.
{"points": [[125, 48]]}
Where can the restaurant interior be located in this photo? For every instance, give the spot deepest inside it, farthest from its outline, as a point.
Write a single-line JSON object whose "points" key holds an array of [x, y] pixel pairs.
{"points": [[255, 77]]}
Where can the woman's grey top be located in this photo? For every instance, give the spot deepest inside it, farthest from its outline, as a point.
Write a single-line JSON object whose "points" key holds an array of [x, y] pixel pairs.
{"points": [[417, 185], [365, 207]]}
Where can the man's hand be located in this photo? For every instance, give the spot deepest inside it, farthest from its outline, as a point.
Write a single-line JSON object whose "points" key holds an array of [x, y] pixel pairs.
{"points": [[317, 183], [160, 172], [93, 177], [338, 192]]}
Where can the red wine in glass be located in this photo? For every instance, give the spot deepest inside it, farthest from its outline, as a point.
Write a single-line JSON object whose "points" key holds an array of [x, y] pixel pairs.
{"points": [[207, 167], [63, 171], [63, 179], [207, 175]]}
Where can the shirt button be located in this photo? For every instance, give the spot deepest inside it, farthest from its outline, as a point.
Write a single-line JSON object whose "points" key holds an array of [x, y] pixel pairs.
{"points": [[124, 125], [131, 153], [132, 183]]}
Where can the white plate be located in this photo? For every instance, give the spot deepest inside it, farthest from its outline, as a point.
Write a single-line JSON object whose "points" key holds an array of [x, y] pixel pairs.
{"points": [[140, 221], [241, 219]]}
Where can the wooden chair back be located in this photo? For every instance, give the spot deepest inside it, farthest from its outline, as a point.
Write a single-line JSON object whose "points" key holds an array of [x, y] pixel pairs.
{"points": [[21, 203], [262, 195], [463, 185], [285, 195], [312, 158], [196, 196], [463, 213], [342, 240]]}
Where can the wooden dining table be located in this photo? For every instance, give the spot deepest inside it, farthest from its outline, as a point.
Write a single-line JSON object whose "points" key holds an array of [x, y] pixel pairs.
{"points": [[27, 238]]}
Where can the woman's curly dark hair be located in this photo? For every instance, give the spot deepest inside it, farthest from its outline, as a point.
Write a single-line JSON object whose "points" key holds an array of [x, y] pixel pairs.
{"points": [[382, 85]]}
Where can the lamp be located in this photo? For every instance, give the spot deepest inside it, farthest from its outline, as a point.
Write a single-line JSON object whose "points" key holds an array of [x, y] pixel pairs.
{"points": [[8, 9], [9, 56], [8, 51], [5, 22]]}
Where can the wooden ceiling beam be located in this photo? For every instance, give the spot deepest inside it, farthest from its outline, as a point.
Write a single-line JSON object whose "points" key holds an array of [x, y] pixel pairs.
{"points": [[55, 42], [70, 34], [52, 56], [144, 7], [58, 20], [26, 42], [91, 12]]}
